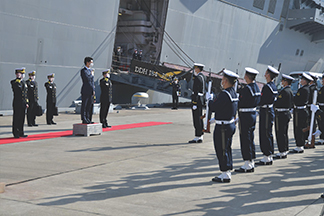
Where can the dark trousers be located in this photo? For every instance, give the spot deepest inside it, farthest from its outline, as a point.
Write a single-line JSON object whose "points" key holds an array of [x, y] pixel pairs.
{"points": [[321, 125], [281, 127], [104, 108], [175, 100], [197, 121], [31, 113], [300, 122], [265, 131], [18, 120], [86, 112], [50, 107], [223, 145], [247, 127]]}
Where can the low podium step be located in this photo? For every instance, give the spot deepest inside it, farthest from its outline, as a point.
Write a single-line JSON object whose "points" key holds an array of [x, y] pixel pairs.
{"points": [[87, 129]]}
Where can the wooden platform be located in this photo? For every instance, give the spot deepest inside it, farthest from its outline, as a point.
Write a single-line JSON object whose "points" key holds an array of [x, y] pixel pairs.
{"points": [[87, 129]]}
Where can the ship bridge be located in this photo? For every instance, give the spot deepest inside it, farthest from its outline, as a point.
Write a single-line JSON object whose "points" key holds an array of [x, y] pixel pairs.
{"points": [[308, 17]]}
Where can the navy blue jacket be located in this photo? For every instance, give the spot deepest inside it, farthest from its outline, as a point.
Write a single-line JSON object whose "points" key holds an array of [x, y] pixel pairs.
{"points": [[225, 105], [249, 96], [88, 82], [269, 94]]}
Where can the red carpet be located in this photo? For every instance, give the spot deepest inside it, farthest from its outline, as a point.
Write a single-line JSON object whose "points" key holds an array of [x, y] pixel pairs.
{"points": [[70, 132]]}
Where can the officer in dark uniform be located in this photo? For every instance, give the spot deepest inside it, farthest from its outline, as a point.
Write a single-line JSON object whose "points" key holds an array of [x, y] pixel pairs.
{"points": [[320, 101], [135, 54], [312, 88], [197, 102], [140, 55], [105, 97], [268, 96], [301, 113], [225, 107], [32, 98], [87, 91], [20, 103], [249, 99], [50, 99], [176, 92], [283, 105]]}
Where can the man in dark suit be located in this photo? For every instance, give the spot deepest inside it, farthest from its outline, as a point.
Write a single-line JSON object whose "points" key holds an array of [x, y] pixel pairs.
{"points": [[197, 102], [19, 104], [50, 99], [32, 98], [283, 105], [87, 91], [105, 98]]}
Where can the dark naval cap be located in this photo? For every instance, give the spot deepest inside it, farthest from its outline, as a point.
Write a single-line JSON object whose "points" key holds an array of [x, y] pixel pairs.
{"points": [[32, 73], [105, 71], [287, 77], [50, 75], [273, 70], [306, 77], [251, 71], [20, 70]]}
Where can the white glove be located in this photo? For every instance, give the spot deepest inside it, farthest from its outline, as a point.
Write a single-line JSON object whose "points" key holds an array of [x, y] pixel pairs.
{"points": [[212, 121], [314, 108], [209, 96], [194, 107]]}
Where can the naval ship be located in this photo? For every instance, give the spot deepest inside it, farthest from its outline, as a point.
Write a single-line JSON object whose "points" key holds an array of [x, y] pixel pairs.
{"points": [[54, 37]]}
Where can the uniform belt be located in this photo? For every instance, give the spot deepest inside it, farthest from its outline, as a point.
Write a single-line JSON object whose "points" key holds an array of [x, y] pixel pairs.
{"points": [[220, 122], [247, 109], [200, 94], [300, 107], [282, 109], [321, 104], [267, 106]]}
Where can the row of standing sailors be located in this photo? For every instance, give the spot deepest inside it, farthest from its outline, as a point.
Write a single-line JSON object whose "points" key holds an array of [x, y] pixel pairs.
{"points": [[26, 96], [274, 107]]}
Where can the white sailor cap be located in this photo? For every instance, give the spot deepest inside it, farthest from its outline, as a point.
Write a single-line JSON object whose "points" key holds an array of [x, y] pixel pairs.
{"points": [[230, 74], [105, 71], [287, 77], [273, 70], [251, 71], [306, 77], [32, 73], [199, 65], [312, 75], [50, 75], [20, 70]]}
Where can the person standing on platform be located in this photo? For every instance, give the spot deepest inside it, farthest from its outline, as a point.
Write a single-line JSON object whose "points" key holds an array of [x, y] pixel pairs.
{"points": [[268, 96], [50, 99], [87, 91], [301, 113], [176, 92], [105, 98], [135, 54], [224, 107], [20, 103], [140, 55], [283, 105], [249, 99], [32, 98], [312, 88], [197, 102], [320, 100]]}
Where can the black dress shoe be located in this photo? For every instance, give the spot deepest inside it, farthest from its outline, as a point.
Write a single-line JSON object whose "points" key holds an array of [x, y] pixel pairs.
{"points": [[49, 123], [322, 196], [30, 125], [295, 151], [53, 123], [192, 141], [108, 126], [16, 136], [35, 125], [241, 170], [216, 179], [104, 126], [24, 136], [263, 163], [280, 157], [84, 122]]}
